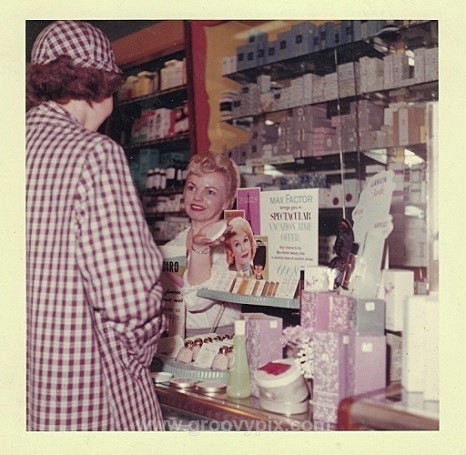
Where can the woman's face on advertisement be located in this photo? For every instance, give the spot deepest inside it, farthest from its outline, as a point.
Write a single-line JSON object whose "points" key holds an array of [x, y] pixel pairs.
{"points": [[241, 249], [205, 197]]}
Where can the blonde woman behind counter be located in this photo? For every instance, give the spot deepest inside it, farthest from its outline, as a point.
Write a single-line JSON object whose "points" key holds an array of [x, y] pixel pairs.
{"points": [[211, 183]]}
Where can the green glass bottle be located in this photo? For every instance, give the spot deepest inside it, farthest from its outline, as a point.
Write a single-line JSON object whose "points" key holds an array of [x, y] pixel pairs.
{"points": [[239, 381]]}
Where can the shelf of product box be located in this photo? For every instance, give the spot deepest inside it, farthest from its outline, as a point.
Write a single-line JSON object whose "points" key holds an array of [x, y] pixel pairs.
{"points": [[171, 143], [275, 302], [381, 155], [417, 92], [319, 62], [409, 92], [332, 105], [328, 162], [163, 98]]}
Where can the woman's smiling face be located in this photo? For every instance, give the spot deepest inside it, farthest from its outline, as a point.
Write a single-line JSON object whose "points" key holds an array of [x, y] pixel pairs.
{"points": [[205, 197], [241, 249]]}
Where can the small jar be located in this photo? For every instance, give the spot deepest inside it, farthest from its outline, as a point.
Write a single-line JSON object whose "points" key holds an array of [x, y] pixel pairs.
{"points": [[185, 354], [230, 355], [221, 359], [145, 83], [197, 347]]}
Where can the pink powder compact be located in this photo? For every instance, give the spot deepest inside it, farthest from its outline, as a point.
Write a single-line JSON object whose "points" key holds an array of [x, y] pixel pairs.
{"points": [[282, 387]]}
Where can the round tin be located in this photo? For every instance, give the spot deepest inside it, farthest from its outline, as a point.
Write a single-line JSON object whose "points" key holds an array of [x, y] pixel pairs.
{"points": [[210, 387], [216, 230], [183, 383]]}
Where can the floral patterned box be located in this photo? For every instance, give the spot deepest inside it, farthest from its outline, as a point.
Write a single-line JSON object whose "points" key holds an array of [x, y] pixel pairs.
{"points": [[332, 366], [308, 309], [341, 313]]}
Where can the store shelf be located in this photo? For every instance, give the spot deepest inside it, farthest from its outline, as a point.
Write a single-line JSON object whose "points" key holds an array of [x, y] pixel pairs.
{"points": [[171, 97], [409, 92], [172, 143], [320, 62], [328, 162], [274, 302]]}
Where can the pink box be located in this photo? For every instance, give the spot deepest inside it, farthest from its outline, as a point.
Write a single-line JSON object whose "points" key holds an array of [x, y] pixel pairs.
{"points": [[327, 311], [368, 358], [263, 334], [248, 199]]}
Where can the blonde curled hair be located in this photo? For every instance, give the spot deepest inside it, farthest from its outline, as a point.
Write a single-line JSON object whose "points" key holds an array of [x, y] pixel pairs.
{"points": [[209, 162]]}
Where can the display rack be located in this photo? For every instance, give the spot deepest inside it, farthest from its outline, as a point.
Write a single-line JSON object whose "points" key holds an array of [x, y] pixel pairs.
{"points": [[273, 302], [172, 150]]}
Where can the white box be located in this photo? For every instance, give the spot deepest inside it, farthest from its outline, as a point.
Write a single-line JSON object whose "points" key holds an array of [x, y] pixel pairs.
{"points": [[400, 69], [388, 80], [396, 287], [431, 388], [420, 367], [419, 65], [318, 90], [331, 86], [414, 358]]}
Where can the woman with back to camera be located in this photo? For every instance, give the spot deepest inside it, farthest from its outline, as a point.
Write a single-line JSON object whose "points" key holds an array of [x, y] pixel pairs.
{"points": [[94, 307], [211, 183]]}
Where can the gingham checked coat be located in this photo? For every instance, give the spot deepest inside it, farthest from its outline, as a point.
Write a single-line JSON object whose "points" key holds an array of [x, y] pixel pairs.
{"points": [[93, 294]]}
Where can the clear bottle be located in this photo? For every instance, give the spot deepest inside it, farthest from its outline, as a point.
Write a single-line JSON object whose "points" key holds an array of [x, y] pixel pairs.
{"points": [[150, 179], [239, 381]]}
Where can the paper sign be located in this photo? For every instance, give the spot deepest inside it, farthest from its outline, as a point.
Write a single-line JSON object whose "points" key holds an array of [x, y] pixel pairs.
{"points": [[289, 219]]}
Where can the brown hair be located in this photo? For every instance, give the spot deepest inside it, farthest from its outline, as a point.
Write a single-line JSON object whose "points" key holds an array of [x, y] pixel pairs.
{"points": [[239, 224], [207, 163], [62, 81]]}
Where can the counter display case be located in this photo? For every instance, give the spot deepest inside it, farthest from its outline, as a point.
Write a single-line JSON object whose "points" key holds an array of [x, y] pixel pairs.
{"points": [[188, 410]]}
